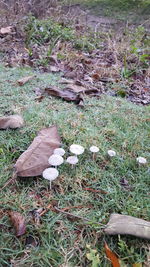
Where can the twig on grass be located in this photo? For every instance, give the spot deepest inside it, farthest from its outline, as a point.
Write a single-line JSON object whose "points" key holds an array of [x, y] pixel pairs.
{"points": [[78, 217], [55, 209], [52, 207], [95, 190], [47, 208], [10, 181]]}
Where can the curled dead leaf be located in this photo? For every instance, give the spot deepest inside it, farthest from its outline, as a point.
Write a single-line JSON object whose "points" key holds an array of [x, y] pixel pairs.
{"points": [[35, 159], [18, 222], [12, 121], [65, 94]]}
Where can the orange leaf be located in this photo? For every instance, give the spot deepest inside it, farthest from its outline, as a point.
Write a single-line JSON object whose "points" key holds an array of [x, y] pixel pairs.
{"points": [[111, 256]]}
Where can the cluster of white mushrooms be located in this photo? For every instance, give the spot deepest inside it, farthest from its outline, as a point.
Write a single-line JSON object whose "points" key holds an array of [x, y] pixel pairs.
{"points": [[57, 159]]}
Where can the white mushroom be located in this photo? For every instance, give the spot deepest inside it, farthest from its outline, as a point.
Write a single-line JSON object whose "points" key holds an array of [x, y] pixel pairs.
{"points": [[111, 153], [50, 174], [59, 151], [76, 149], [55, 160], [73, 160], [94, 149], [141, 160]]}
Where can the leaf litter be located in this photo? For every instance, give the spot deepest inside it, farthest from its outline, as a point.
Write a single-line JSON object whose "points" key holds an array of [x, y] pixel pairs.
{"points": [[74, 91], [101, 67]]}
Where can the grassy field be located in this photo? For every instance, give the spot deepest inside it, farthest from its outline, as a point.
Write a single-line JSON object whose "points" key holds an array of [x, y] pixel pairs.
{"points": [[130, 10], [109, 123]]}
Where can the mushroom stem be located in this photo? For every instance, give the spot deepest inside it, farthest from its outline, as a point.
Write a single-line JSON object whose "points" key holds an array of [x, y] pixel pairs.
{"points": [[50, 183], [94, 156]]}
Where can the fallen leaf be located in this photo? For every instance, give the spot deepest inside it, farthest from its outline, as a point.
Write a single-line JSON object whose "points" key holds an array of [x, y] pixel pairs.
{"points": [[25, 80], [66, 81], [70, 75], [54, 69], [95, 76], [127, 225], [18, 222], [6, 30], [35, 159], [65, 94], [111, 256], [12, 121], [76, 88], [137, 265]]}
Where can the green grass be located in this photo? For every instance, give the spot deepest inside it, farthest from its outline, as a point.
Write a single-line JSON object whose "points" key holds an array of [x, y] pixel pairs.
{"points": [[134, 11], [110, 123]]}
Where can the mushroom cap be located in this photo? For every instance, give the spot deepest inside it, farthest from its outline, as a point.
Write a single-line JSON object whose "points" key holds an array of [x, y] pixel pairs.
{"points": [[72, 160], [76, 149], [59, 151], [141, 160], [55, 160], [50, 174], [94, 149], [111, 153]]}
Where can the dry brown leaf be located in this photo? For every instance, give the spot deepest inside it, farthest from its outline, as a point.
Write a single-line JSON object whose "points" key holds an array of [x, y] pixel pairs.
{"points": [[25, 80], [18, 222], [12, 121], [95, 76], [54, 69], [127, 225], [66, 81], [76, 88], [35, 159], [65, 94], [6, 30], [111, 256]]}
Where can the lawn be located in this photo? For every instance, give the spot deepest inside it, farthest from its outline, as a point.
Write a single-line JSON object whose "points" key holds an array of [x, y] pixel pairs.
{"points": [[131, 10], [109, 123]]}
